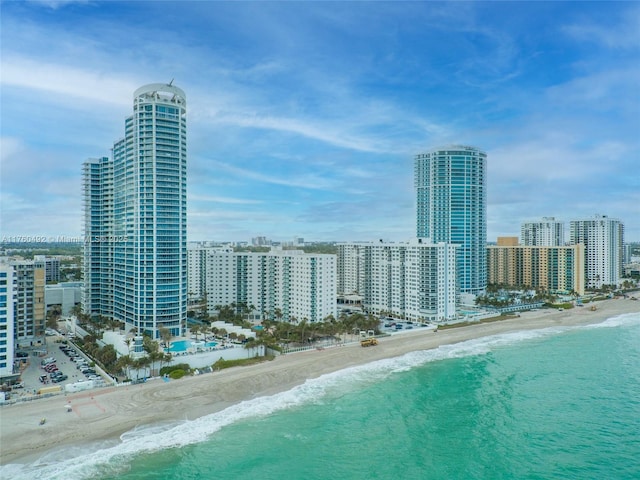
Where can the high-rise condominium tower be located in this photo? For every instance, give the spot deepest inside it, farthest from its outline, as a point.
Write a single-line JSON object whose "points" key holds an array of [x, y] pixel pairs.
{"points": [[548, 232], [603, 238], [136, 218], [452, 207]]}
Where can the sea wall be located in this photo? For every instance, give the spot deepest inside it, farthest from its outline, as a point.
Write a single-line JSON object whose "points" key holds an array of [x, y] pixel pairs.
{"points": [[206, 359]]}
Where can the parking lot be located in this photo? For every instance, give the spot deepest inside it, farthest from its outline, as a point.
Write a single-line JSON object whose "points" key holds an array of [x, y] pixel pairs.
{"points": [[34, 371]]}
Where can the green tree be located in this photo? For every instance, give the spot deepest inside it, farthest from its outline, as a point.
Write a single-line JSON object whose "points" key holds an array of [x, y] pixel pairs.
{"points": [[165, 335], [195, 330], [107, 356], [124, 364], [53, 315]]}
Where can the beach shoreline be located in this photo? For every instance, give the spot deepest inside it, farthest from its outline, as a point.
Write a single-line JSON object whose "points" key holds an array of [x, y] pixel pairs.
{"points": [[105, 414]]}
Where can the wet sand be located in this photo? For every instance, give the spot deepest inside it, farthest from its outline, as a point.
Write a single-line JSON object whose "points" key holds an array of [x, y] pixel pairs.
{"points": [[107, 413]]}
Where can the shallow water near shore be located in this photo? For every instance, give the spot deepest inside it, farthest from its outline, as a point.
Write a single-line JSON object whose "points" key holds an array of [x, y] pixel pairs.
{"points": [[554, 403]]}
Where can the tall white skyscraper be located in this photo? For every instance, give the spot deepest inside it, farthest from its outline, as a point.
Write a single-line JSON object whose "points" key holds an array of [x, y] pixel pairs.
{"points": [[451, 196], [547, 232], [603, 238], [136, 218]]}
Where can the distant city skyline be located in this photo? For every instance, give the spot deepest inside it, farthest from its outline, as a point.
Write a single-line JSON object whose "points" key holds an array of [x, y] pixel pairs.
{"points": [[304, 119]]}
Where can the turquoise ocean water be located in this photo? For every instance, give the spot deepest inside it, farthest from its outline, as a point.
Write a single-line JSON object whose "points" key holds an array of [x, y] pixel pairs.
{"points": [[558, 403]]}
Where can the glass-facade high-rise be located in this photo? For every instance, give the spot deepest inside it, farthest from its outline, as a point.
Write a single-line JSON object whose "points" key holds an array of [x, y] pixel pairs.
{"points": [[451, 196], [136, 218]]}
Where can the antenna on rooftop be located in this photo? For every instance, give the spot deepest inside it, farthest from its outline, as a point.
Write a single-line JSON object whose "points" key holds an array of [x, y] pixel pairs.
{"points": [[171, 81]]}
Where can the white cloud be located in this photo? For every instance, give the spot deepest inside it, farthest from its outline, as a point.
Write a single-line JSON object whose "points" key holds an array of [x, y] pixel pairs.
{"points": [[216, 199], [624, 34], [308, 181], [56, 4], [66, 82]]}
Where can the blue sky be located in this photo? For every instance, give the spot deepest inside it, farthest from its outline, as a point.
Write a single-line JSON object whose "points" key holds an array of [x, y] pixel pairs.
{"points": [[304, 118]]}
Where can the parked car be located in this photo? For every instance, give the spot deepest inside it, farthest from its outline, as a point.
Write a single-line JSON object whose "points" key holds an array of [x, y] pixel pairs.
{"points": [[59, 379], [89, 371], [50, 368]]}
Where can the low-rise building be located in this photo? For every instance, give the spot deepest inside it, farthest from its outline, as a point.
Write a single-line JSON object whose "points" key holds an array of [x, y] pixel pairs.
{"points": [[66, 295]]}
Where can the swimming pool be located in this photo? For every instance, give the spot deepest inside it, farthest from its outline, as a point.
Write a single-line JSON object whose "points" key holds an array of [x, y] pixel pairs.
{"points": [[184, 345]]}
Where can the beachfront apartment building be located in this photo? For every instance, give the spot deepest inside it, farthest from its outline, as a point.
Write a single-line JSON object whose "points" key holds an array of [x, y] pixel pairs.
{"points": [[287, 285], [603, 240], [350, 268], [556, 269], [98, 260], [28, 301], [196, 271], [547, 232], [451, 198], [415, 281], [6, 318], [135, 218]]}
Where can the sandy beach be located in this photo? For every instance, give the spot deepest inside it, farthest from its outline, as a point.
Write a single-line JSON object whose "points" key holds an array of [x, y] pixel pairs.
{"points": [[108, 412]]}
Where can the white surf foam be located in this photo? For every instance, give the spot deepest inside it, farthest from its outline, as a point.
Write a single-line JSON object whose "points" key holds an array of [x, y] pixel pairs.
{"points": [[112, 458]]}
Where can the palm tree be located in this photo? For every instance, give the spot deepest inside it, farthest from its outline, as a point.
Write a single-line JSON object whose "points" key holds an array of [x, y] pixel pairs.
{"points": [[195, 330], [302, 327], [165, 335], [165, 358], [153, 358], [123, 365], [141, 363], [76, 310]]}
